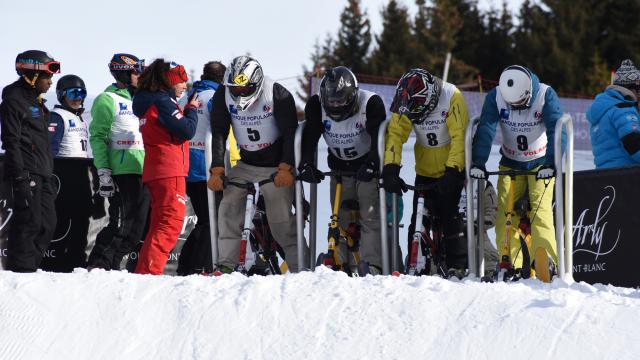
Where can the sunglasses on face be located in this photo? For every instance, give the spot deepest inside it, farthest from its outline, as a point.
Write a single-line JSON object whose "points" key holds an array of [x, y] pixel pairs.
{"points": [[52, 67], [75, 94], [242, 90]]}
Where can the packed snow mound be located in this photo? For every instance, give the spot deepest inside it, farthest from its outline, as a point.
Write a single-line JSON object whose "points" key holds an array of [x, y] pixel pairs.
{"points": [[117, 315]]}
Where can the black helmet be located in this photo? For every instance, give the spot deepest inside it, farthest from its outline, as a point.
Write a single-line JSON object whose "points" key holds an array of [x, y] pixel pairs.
{"points": [[339, 93], [31, 63], [70, 82], [417, 95], [121, 66]]}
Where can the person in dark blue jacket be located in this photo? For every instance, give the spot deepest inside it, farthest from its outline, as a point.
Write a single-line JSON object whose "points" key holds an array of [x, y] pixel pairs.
{"points": [[195, 256], [71, 167], [615, 133], [527, 111]]}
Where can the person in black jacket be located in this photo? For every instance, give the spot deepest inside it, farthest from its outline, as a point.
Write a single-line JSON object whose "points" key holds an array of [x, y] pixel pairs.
{"points": [[71, 169], [263, 115], [28, 162], [348, 118]]}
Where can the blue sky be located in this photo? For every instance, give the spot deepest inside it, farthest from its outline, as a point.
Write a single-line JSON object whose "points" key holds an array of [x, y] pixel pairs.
{"points": [[83, 35]]}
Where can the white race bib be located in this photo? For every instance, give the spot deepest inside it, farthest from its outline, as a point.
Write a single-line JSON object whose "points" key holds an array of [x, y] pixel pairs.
{"points": [[348, 139], [75, 139], [433, 131], [125, 130], [524, 134], [254, 128]]}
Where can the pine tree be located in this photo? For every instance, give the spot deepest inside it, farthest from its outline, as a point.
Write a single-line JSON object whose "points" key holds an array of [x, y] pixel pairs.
{"points": [[392, 56], [354, 38], [597, 76], [317, 62]]}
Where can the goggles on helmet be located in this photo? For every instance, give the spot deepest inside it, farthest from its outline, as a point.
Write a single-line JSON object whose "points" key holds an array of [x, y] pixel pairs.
{"points": [[138, 67], [51, 67], [242, 91], [75, 94]]}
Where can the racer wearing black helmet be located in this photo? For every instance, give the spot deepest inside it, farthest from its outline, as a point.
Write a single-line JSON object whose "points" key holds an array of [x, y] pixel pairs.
{"points": [[71, 167], [348, 118], [28, 162]]}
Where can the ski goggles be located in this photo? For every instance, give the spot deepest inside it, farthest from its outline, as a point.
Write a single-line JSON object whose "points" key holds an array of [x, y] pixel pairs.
{"points": [[75, 94], [137, 67], [51, 67], [242, 91]]}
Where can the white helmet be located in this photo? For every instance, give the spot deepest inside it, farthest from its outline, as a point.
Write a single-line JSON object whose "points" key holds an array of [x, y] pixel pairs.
{"points": [[243, 79], [516, 85]]}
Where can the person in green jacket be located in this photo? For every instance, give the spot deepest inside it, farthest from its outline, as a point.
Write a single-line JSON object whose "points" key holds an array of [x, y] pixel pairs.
{"points": [[118, 154]]}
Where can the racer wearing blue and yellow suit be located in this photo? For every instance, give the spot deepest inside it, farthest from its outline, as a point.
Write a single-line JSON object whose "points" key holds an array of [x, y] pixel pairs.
{"points": [[527, 144]]}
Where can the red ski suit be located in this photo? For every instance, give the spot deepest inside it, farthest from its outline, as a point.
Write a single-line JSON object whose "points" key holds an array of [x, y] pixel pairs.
{"points": [[166, 132]]}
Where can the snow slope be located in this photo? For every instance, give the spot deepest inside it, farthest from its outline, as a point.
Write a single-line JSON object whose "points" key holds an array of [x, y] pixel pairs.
{"points": [[116, 315]]}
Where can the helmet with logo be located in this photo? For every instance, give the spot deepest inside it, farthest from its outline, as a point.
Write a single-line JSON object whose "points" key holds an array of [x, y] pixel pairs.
{"points": [[516, 86], [122, 65], [417, 95], [339, 93], [31, 63], [244, 79], [72, 87]]}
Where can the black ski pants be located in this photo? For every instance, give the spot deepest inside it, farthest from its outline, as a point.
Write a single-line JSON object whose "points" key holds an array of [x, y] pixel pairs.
{"points": [[128, 210], [32, 227], [444, 205], [73, 208], [195, 256]]}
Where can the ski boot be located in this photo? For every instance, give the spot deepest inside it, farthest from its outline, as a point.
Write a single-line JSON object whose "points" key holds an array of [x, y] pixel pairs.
{"points": [[548, 269]]}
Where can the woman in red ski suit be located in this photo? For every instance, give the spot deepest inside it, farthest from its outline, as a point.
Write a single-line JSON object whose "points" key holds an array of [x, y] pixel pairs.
{"points": [[166, 131]]}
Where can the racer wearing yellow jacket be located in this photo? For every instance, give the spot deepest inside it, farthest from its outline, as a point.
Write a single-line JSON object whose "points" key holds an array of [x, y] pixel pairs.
{"points": [[437, 113]]}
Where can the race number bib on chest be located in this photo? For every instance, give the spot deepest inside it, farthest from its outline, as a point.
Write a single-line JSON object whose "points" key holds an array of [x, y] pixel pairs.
{"points": [[347, 139], [433, 132], [125, 130], [524, 136], [254, 128]]}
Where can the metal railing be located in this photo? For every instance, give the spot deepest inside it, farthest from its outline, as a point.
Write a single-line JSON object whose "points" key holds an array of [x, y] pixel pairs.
{"points": [[297, 149], [384, 240], [475, 246], [564, 199]]}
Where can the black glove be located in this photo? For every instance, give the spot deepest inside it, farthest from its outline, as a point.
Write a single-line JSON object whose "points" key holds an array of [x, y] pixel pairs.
{"points": [[546, 172], [309, 173], [366, 172], [391, 180], [22, 192], [451, 181], [97, 207]]}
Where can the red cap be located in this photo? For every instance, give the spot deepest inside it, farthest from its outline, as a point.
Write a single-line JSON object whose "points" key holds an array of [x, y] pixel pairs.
{"points": [[176, 74]]}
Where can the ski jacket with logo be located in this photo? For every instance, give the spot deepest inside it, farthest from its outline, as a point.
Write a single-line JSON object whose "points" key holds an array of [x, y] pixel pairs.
{"points": [[25, 136], [264, 132], [352, 141], [612, 117], [527, 133], [197, 164], [69, 133], [166, 132], [114, 133], [439, 138]]}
